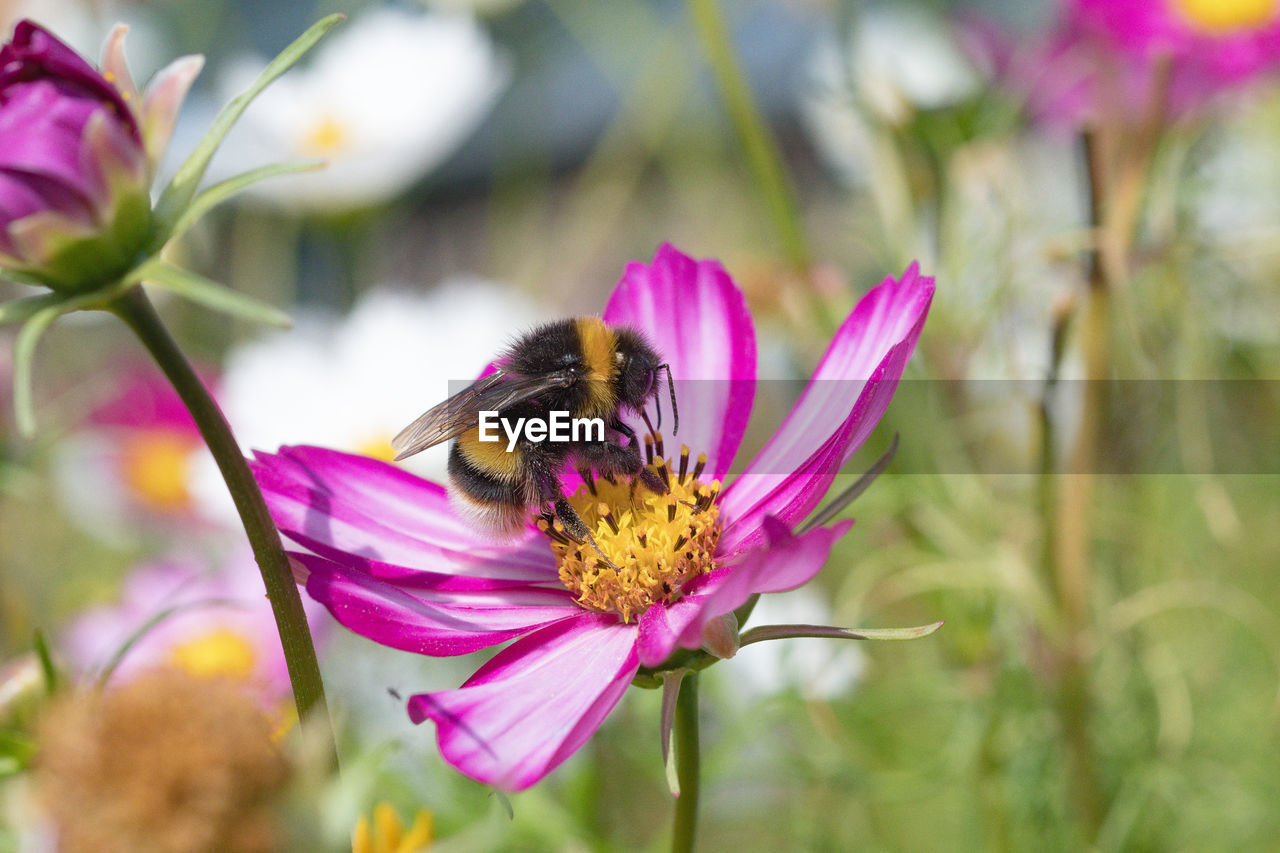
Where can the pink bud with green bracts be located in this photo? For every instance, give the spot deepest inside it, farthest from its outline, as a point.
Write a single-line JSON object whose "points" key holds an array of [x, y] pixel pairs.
{"points": [[77, 147]]}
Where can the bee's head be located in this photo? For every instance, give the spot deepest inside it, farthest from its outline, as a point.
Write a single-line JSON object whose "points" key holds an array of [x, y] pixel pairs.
{"points": [[637, 371]]}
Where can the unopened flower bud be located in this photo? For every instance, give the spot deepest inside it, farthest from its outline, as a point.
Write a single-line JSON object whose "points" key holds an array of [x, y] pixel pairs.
{"points": [[720, 636], [74, 203]]}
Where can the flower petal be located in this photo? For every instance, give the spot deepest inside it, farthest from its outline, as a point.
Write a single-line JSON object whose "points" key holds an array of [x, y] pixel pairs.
{"points": [[842, 403], [785, 562], [697, 319], [396, 525], [165, 94], [535, 703], [115, 70], [430, 622]]}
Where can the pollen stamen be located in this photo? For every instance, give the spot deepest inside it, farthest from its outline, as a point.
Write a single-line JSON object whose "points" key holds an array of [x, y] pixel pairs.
{"points": [[656, 542], [684, 463], [602, 509]]}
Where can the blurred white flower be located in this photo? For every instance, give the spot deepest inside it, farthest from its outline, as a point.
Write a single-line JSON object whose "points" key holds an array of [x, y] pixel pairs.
{"points": [[1235, 202], [896, 61], [818, 668], [352, 383], [905, 59], [386, 98]]}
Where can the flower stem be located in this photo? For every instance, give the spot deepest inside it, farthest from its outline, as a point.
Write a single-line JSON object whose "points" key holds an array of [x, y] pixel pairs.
{"points": [[761, 149], [1070, 543], [688, 769], [295, 636]]}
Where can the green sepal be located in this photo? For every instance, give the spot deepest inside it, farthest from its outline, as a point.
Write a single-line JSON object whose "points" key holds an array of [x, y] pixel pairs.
{"points": [[177, 196], [39, 312], [24, 349], [223, 190], [670, 693], [20, 310], [211, 294]]}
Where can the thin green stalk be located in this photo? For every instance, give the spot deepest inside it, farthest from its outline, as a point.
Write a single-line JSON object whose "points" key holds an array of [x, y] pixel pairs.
{"points": [[688, 769], [762, 152], [1071, 544], [295, 635]]}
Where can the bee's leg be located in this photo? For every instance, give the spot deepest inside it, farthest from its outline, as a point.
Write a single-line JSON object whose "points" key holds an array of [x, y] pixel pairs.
{"points": [[652, 429], [544, 470], [619, 427], [577, 528], [610, 458]]}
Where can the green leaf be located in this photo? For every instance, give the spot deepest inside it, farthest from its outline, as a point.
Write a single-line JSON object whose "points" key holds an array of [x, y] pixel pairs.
{"points": [[783, 632], [894, 633], [23, 356], [181, 190], [16, 751], [47, 668], [223, 190], [211, 294], [19, 310]]}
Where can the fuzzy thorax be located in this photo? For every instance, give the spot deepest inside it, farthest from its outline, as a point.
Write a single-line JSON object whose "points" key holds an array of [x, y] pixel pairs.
{"points": [[658, 542]]}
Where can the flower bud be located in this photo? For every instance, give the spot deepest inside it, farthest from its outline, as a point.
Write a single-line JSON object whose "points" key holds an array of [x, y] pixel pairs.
{"points": [[74, 203], [720, 636]]}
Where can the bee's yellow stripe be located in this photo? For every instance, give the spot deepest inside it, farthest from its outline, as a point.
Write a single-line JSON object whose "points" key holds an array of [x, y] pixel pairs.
{"points": [[490, 457], [599, 345]]}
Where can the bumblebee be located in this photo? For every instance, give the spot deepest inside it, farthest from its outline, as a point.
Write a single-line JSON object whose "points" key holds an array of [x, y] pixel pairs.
{"points": [[581, 366]]}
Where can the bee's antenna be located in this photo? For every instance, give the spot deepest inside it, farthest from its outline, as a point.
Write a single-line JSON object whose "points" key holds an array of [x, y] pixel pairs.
{"points": [[675, 412], [657, 405]]}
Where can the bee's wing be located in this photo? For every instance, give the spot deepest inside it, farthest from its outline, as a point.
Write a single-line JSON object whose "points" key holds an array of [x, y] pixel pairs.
{"points": [[461, 412]]}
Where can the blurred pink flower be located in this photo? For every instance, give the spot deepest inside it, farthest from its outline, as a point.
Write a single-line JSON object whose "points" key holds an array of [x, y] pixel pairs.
{"points": [[394, 563], [131, 467], [177, 612], [1128, 61]]}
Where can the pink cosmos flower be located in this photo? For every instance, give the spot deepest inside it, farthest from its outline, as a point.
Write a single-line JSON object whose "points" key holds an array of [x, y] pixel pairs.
{"points": [[132, 466], [176, 612], [1218, 41], [392, 561], [1130, 59]]}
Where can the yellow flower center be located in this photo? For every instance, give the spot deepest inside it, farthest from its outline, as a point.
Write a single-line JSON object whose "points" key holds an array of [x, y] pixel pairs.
{"points": [[325, 138], [156, 464], [386, 833], [219, 652], [1222, 16], [658, 542], [377, 447]]}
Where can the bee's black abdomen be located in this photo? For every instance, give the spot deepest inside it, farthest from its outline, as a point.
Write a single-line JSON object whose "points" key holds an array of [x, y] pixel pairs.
{"points": [[496, 505]]}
